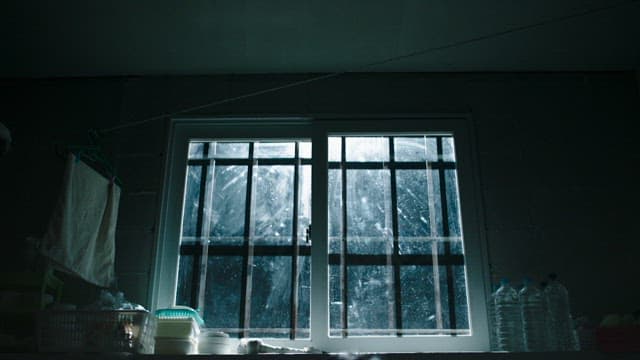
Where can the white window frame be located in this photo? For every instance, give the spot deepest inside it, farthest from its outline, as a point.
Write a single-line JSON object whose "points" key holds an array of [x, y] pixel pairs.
{"points": [[184, 130]]}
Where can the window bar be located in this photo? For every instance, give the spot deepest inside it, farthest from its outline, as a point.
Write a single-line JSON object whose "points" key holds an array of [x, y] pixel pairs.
{"points": [[294, 243], [396, 246], [343, 262], [198, 257], [446, 234], [247, 266]]}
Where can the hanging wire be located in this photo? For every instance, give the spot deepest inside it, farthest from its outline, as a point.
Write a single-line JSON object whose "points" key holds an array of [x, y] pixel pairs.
{"points": [[376, 63]]}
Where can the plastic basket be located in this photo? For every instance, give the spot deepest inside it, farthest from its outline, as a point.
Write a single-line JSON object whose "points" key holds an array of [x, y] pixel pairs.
{"points": [[95, 331]]}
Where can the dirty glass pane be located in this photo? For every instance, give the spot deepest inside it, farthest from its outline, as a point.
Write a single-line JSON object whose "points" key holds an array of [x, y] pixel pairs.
{"points": [[335, 148], [418, 297], [191, 201], [335, 211], [462, 307], [453, 210], [369, 223], [421, 148], [196, 150], [304, 296], [370, 294], [273, 214], [271, 297], [274, 149], [441, 278], [185, 274], [228, 204], [229, 150], [304, 201], [448, 150], [367, 148], [419, 208], [304, 149], [223, 290], [335, 301]]}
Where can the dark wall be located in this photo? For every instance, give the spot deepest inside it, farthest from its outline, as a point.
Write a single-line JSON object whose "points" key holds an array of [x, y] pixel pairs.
{"points": [[556, 153]]}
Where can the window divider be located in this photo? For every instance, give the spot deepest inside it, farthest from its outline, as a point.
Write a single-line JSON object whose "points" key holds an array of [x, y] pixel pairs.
{"points": [[396, 246], [294, 244]]}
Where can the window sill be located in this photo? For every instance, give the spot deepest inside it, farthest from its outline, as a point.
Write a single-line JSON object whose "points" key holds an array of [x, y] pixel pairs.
{"points": [[588, 355]]}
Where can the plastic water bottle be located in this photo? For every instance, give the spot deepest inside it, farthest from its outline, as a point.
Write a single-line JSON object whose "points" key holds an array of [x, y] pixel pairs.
{"points": [[508, 319], [562, 336], [534, 317]]}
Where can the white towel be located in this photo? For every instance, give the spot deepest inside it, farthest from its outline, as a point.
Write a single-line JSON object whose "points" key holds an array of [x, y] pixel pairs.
{"points": [[80, 238]]}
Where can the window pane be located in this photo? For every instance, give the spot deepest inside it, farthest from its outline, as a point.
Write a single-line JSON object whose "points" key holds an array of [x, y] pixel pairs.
{"points": [[304, 201], [304, 296], [229, 201], [419, 210], [228, 150], [273, 213], [185, 277], [421, 148], [223, 290], [453, 211], [367, 149], [448, 150], [196, 150], [369, 221], [418, 297], [462, 307], [335, 148], [370, 294], [335, 301], [271, 297], [191, 201], [304, 148], [335, 211], [274, 149]]}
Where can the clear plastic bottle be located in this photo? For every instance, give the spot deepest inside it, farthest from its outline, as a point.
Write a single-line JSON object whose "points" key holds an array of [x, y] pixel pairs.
{"points": [[562, 336], [508, 318], [534, 317]]}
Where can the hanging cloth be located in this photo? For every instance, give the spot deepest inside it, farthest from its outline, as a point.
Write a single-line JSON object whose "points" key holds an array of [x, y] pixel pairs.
{"points": [[80, 237]]}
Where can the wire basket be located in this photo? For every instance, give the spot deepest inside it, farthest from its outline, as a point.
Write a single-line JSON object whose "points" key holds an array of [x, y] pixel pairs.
{"points": [[95, 331]]}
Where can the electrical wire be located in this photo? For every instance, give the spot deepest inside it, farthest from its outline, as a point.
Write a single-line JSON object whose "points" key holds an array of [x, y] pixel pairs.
{"points": [[416, 53]]}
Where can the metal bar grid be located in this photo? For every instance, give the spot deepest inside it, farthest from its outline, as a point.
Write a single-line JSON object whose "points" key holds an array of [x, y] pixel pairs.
{"points": [[247, 268], [343, 264], [295, 248], [447, 259]]}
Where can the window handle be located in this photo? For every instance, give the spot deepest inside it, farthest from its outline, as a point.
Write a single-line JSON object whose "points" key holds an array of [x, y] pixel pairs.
{"points": [[308, 234]]}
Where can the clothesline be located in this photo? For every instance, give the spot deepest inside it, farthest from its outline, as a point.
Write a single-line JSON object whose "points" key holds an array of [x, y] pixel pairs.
{"points": [[374, 64]]}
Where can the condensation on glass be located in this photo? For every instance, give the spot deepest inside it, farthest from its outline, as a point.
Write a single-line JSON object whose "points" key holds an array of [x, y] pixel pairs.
{"points": [[396, 255], [244, 259]]}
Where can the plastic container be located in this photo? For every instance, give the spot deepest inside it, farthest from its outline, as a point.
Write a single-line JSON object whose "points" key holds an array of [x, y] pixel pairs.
{"points": [[508, 319], [177, 328], [214, 342], [176, 346], [562, 336], [534, 317]]}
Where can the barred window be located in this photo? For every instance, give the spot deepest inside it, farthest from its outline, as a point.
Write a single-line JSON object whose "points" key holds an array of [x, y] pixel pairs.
{"points": [[386, 266]]}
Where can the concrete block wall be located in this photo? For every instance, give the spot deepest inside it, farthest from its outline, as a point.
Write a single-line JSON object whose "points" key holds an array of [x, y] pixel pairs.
{"points": [[555, 151]]}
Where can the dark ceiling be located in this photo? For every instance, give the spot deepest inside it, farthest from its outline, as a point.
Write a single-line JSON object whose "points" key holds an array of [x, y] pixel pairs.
{"points": [[152, 37]]}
